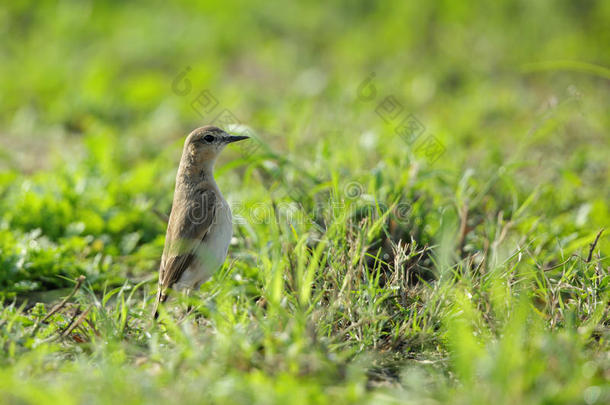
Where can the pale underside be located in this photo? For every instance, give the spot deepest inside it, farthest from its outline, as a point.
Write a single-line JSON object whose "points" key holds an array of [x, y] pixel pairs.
{"points": [[197, 240]]}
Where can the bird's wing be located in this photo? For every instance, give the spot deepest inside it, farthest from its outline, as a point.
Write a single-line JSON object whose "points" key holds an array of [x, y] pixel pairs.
{"points": [[190, 221]]}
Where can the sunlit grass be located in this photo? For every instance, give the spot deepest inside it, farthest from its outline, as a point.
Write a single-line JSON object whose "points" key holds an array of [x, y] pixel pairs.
{"points": [[363, 270]]}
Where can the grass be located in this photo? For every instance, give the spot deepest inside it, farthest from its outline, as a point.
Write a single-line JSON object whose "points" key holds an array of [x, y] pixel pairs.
{"points": [[462, 258]]}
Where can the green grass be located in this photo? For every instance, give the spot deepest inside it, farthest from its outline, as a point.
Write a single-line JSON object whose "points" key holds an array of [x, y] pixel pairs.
{"points": [[364, 268]]}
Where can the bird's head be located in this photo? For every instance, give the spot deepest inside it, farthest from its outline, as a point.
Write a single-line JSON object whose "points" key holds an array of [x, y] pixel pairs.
{"points": [[204, 144]]}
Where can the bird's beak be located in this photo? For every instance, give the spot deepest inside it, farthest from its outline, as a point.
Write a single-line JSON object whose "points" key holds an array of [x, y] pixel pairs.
{"points": [[233, 138]]}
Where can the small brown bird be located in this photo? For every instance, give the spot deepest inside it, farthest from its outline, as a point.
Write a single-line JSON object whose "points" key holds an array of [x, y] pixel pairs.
{"points": [[200, 226]]}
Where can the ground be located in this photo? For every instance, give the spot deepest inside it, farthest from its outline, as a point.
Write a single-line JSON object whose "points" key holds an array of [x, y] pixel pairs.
{"points": [[422, 215]]}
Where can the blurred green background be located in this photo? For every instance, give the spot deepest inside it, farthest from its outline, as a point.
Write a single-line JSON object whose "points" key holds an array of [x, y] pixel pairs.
{"points": [[97, 98]]}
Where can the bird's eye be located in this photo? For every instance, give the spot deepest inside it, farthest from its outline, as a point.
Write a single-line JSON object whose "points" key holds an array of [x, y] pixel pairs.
{"points": [[208, 138]]}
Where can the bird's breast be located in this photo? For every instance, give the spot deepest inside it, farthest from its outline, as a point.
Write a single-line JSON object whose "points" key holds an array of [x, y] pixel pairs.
{"points": [[212, 251], [221, 231]]}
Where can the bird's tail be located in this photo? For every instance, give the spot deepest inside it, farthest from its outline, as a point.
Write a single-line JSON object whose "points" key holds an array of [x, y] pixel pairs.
{"points": [[161, 297]]}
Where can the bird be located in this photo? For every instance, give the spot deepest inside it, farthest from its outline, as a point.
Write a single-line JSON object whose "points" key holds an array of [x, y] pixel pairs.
{"points": [[200, 228]]}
